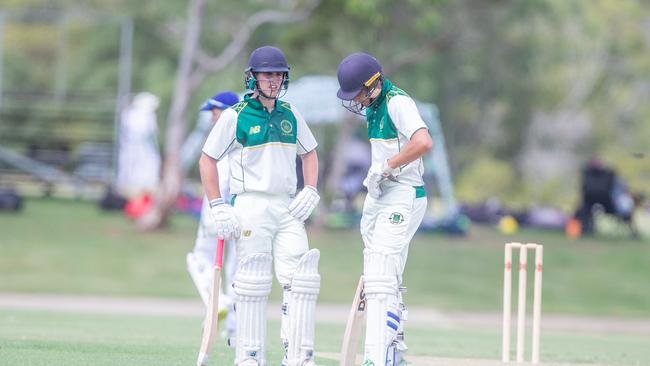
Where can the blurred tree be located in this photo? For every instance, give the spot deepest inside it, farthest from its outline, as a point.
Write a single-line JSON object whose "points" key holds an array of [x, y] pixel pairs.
{"points": [[536, 85], [399, 34]]}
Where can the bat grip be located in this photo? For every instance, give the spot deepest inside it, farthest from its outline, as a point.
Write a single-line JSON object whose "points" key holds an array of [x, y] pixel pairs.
{"points": [[218, 261]]}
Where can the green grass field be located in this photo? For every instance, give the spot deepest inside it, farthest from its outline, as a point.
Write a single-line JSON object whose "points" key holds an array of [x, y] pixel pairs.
{"points": [[71, 247], [52, 338]]}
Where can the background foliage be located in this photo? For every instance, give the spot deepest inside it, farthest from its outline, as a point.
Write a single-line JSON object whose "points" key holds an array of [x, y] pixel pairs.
{"points": [[527, 90]]}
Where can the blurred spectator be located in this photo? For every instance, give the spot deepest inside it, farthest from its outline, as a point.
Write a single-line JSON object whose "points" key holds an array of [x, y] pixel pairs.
{"points": [[604, 190], [208, 115], [139, 159], [10, 200]]}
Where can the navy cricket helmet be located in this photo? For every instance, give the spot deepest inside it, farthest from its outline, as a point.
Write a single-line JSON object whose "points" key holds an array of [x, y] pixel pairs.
{"points": [[266, 59], [356, 72]]}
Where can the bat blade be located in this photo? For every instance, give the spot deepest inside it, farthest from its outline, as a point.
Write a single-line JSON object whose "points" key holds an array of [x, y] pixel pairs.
{"points": [[210, 324], [356, 320]]}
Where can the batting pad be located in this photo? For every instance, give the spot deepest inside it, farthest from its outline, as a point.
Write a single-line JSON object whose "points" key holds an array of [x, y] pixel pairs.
{"points": [[284, 322], [383, 312], [305, 286], [252, 284]]}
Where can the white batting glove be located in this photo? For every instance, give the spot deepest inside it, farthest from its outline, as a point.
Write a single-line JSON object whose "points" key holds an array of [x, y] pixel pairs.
{"points": [[375, 179], [227, 224], [388, 172], [304, 203]]}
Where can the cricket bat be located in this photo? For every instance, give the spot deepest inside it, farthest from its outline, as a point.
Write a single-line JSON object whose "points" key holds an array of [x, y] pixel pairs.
{"points": [[211, 315], [356, 320]]}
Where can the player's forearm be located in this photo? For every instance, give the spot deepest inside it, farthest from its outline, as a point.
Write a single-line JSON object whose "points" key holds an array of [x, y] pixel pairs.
{"points": [[419, 145], [209, 176], [310, 168]]}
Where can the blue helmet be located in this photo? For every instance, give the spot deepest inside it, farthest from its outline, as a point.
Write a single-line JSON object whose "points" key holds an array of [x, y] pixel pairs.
{"points": [[266, 59], [356, 72], [222, 100]]}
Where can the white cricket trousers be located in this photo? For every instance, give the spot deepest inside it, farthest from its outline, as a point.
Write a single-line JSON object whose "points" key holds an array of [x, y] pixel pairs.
{"points": [[389, 223], [267, 227]]}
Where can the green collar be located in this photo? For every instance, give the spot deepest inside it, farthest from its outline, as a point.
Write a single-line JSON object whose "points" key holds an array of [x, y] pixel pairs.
{"points": [[255, 103], [386, 86]]}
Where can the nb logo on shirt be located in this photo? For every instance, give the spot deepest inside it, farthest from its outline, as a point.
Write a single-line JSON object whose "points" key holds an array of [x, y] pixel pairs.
{"points": [[254, 130]]}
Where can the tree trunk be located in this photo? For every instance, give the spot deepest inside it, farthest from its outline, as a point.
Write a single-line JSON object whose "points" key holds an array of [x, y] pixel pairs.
{"points": [[172, 177]]}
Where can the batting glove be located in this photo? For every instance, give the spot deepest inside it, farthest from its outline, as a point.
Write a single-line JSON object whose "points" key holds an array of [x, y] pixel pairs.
{"points": [[375, 179], [224, 216], [304, 203], [388, 172]]}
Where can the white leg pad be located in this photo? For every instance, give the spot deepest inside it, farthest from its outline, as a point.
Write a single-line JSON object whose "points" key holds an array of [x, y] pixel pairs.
{"points": [[252, 283], [305, 287], [284, 323], [397, 349], [383, 312], [401, 340]]}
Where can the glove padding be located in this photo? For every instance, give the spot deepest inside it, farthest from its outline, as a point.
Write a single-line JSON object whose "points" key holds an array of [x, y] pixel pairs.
{"points": [[373, 182], [226, 222], [374, 179], [304, 203]]}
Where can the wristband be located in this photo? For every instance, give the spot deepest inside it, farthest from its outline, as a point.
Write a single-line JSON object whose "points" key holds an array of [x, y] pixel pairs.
{"points": [[216, 202]]}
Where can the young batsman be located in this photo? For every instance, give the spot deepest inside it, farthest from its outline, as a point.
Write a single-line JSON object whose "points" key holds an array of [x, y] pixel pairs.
{"points": [[396, 199], [261, 136]]}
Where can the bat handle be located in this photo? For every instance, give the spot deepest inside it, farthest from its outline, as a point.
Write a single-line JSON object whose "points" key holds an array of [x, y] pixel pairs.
{"points": [[219, 258]]}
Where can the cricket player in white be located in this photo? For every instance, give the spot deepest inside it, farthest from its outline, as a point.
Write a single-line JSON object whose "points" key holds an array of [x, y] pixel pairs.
{"points": [[200, 261], [261, 136], [396, 200]]}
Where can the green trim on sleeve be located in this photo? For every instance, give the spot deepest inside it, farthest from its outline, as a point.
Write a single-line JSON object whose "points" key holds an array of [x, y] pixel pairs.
{"points": [[420, 192]]}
